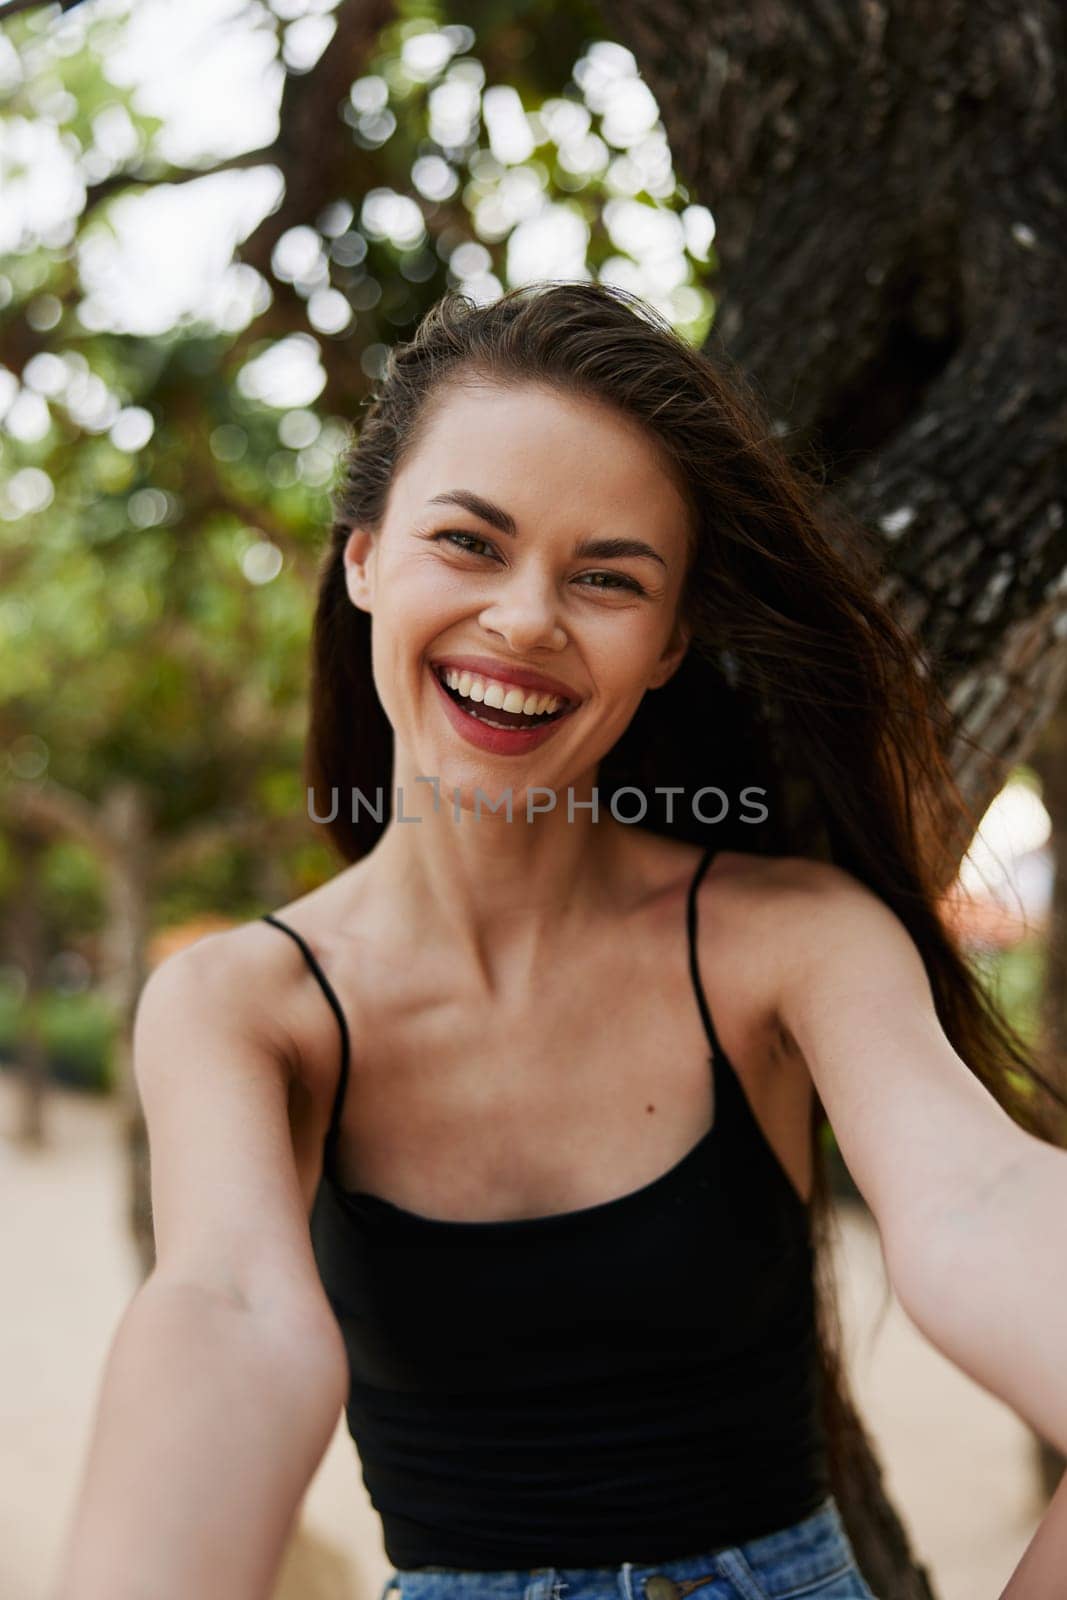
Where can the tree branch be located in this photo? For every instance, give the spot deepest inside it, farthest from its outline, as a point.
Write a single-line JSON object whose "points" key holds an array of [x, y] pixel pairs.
{"points": [[51, 808]]}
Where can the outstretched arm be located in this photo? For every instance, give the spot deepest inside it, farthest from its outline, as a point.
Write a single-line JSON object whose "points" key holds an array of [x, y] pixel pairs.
{"points": [[971, 1209], [210, 1423], [989, 1287], [228, 1373]]}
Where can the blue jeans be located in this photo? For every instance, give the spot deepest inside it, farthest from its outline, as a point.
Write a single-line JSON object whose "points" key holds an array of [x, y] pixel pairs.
{"points": [[809, 1560]]}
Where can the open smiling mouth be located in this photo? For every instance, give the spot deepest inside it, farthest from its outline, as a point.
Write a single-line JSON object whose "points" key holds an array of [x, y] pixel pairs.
{"points": [[496, 716]]}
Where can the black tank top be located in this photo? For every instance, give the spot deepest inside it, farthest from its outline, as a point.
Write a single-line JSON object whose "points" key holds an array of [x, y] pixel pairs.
{"points": [[633, 1381]]}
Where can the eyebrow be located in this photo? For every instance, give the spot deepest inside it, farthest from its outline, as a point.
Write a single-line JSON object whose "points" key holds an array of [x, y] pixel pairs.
{"points": [[504, 522]]}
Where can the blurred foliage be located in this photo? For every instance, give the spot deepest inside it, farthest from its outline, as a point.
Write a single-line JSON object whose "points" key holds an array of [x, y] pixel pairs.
{"points": [[71, 888], [77, 1030], [1017, 982], [164, 478]]}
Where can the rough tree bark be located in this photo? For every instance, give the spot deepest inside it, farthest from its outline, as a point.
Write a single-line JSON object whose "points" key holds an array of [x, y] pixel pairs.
{"points": [[890, 190]]}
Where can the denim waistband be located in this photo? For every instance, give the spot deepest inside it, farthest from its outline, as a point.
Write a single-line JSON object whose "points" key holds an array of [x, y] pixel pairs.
{"points": [[799, 1558]]}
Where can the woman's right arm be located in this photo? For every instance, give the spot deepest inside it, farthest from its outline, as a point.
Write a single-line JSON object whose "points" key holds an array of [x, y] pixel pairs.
{"points": [[227, 1373]]}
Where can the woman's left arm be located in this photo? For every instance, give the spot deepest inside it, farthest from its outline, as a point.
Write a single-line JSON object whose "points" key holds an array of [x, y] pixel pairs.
{"points": [[971, 1209]]}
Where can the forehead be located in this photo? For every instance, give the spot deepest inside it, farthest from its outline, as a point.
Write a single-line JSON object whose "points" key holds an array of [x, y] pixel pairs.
{"points": [[543, 454]]}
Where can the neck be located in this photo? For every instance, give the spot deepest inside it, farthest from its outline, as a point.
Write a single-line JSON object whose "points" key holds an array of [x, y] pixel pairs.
{"points": [[499, 895]]}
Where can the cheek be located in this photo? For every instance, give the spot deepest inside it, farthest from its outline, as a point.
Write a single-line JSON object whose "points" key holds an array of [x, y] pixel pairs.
{"points": [[425, 594], [624, 656]]}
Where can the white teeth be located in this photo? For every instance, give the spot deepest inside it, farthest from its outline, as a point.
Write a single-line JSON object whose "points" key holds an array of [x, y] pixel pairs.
{"points": [[499, 695]]}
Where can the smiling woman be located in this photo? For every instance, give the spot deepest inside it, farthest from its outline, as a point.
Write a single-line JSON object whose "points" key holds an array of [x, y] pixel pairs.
{"points": [[571, 570], [550, 1091]]}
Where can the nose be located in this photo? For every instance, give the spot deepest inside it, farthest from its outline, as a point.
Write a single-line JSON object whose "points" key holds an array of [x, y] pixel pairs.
{"points": [[524, 612]]}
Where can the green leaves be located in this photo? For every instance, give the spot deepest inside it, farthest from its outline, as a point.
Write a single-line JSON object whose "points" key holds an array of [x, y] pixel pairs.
{"points": [[164, 496]]}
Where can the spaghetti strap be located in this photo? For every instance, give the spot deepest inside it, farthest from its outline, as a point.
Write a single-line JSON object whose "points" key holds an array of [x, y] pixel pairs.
{"points": [[723, 1074], [328, 990]]}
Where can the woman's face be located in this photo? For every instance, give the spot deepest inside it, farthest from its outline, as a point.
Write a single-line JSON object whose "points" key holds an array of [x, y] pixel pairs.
{"points": [[531, 542]]}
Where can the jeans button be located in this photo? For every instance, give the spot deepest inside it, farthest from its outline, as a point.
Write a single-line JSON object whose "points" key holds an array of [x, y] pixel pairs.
{"points": [[660, 1588]]}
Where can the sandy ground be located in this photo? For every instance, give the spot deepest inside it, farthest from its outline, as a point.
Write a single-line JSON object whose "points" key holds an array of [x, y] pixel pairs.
{"points": [[958, 1463]]}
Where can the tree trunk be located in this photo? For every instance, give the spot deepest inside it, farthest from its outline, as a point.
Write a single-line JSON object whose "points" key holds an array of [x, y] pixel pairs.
{"points": [[126, 817], [28, 948], [890, 191]]}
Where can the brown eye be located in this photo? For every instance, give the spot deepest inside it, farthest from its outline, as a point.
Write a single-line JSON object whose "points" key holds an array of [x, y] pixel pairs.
{"points": [[619, 580], [455, 534]]}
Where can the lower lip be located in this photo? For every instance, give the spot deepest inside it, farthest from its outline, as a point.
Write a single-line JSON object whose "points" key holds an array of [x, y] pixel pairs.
{"points": [[498, 741]]}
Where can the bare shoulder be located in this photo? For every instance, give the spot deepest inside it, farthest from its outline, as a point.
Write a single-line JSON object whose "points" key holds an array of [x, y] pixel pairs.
{"points": [[213, 1063], [761, 918], [216, 1062], [763, 887], [826, 933], [248, 989], [237, 981], [779, 889], [833, 903]]}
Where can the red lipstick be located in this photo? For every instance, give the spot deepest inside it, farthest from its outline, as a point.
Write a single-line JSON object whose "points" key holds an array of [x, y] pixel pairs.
{"points": [[498, 741]]}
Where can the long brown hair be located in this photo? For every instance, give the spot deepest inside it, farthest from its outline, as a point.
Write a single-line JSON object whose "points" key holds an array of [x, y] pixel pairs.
{"points": [[797, 681]]}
